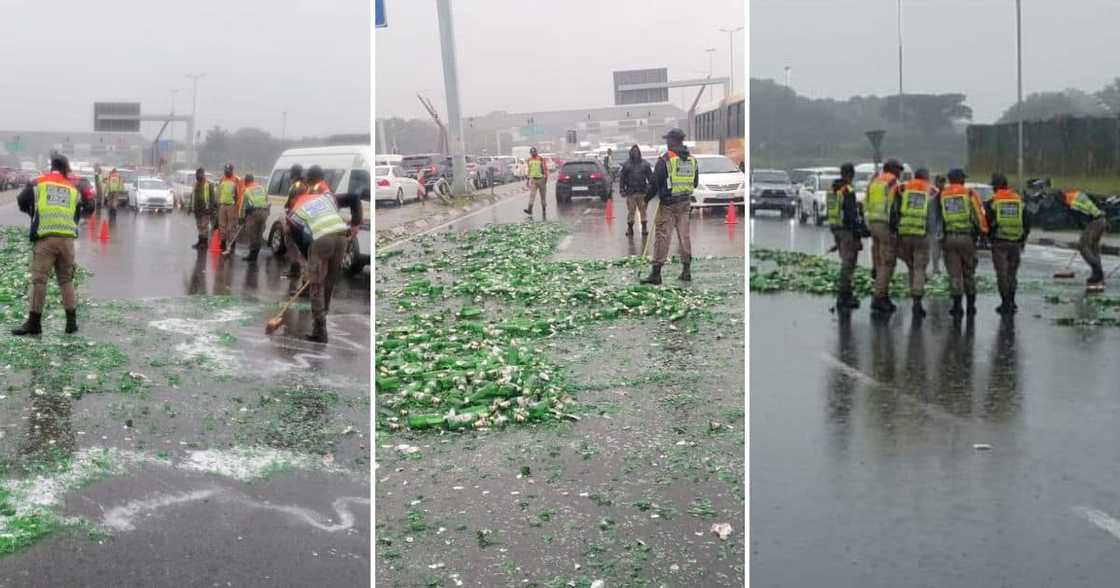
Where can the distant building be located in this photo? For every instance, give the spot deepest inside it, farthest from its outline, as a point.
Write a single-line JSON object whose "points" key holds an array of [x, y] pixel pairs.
{"points": [[641, 123], [106, 148]]}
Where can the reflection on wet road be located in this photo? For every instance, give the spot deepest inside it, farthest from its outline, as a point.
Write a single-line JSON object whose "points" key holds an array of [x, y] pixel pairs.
{"points": [[933, 452]]}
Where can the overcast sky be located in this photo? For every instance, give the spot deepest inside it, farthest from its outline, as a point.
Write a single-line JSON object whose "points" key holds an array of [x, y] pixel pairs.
{"points": [[260, 57], [839, 48], [523, 56]]}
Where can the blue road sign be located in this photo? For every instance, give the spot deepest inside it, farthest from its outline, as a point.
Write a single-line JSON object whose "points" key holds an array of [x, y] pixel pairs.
{"points": [[380, 20]]}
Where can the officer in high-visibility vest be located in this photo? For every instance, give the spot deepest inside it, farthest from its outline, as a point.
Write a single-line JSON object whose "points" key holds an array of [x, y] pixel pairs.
{"points": [[254, 214], [847, 228], [295, 269], [54, 205], [913, 206], [229, 189], [537, 181], [963, 221], [1010, 228], [203, 204], [884, 242], [322, 237], [1094, 224], [116, 186], [674, 179]]}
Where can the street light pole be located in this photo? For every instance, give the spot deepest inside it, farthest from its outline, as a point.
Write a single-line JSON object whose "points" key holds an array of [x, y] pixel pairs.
{"points": [[901, 125], [194, 110], [284, 127], [1019, 60], [451, 87], [731, 52], [173, 91], [710, 52]]}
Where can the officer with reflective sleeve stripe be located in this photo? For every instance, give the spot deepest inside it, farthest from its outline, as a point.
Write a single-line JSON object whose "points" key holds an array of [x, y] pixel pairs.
{"points": [[321, 236], [848, 230], [254, 214], [674, 179], [1010, 228], [912, 208], [884, 242], [54, 205], [1094, 224], [964, 219]]}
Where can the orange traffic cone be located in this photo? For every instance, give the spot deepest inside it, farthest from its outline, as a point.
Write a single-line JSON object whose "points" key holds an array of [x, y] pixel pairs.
{"points": [[610, 209], [93, 227], [105, 231], [732, 215], [216, 242]]}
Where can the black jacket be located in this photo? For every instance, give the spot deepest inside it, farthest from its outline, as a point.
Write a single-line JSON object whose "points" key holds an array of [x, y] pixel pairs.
{"points": [[635, 176], [26, 201], [659, 187]]}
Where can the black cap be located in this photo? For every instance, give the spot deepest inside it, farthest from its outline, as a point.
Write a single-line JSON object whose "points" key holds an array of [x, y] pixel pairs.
{"points": [[893, 166], [999, 181], [248, 177], [922, 173], [957, 175], [229, 167], [60, 163], [674, 133], [314, 173], [847, 170], [296, 171]]}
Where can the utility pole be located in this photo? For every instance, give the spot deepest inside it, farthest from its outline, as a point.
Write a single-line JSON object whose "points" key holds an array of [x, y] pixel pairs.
{"points": [[901, 126], [173, 91], [381, 137], [710, 52], [789, 70], [190, 125], [284, 127], [731, 52], [451, 85], [1019, 59]]}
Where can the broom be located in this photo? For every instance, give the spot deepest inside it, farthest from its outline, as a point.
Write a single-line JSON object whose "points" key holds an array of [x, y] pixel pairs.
{"points": [[275, 322], [1065, 273], [231, 242], [649, 236]]}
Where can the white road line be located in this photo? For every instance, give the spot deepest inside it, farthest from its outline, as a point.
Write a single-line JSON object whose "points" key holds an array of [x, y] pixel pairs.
{"points": [[1100, 519], [932, 410], [850, 371]]}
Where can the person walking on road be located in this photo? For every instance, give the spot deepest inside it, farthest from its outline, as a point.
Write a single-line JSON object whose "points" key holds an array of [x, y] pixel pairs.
{"points": [[1094, 224], [936, 231], [964, 220], [912, 207], [884, 241], [537, 181], [633, 181], [54, 206], [321, 237], [229, 188], [254, 214], [848, 230], [674, 180], [202, 203], [1010, 228]]}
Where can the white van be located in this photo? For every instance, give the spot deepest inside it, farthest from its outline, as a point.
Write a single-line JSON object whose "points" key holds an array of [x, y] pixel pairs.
{"points": [[346, 168]]}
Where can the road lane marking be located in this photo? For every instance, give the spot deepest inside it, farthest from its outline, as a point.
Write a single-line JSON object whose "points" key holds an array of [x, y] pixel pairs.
{"points": [[850, 371], [930, 410], [1100, 519], [394, 244]]}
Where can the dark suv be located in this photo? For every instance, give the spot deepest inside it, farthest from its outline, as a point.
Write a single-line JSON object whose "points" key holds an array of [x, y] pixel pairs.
{"points": [[584, 177], [771, 189]]}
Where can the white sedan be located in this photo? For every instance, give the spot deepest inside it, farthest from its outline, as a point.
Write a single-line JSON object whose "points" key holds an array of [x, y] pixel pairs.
{"points": [[153, 194], [721, 182], [394, 185]]}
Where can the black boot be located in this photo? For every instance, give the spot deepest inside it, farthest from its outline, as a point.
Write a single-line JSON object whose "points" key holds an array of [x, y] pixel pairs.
{"points": [[849, 301], [971, 305], [890, 303], [200, 244], [956, 310], [71, 321], [873, 272], [629, 229], [232, 248], [253, 253], [223, 245], [1014, 307], [654, 276], [33, 325], [882, 304], [318, 331], [686, 273], [918, 310], [1004, 307], [644, 230], [528, 211]]}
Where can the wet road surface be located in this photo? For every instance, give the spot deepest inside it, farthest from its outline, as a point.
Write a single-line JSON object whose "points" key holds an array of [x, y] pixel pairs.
{"points": [[226, 456], [627, 494], [932, 453]]}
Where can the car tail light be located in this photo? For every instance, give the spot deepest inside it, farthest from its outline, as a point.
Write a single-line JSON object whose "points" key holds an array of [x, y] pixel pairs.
{"points": [[596, 176], [383, 183], [563, 178]]}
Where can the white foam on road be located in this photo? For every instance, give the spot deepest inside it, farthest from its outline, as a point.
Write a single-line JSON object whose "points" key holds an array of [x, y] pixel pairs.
{"points": [[1102, 520], [204, 342], [120, 518]]}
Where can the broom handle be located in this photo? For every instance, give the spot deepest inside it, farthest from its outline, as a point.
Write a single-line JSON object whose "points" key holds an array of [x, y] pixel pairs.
{"points": [[291, 300]]}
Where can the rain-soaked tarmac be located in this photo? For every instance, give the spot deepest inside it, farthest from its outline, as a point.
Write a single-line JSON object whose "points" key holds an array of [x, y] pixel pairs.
{"points": [[932, 453], [174, 526], [609, 496]]}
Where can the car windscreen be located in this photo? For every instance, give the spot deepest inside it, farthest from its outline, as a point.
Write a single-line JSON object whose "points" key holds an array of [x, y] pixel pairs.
{"points": [[716, 165], [152, 185], [381, 170], [359, 181], [769, 177], [580, 167]]}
